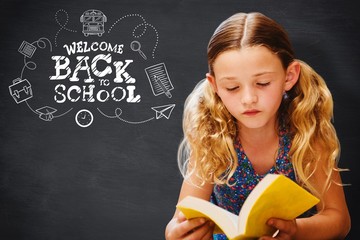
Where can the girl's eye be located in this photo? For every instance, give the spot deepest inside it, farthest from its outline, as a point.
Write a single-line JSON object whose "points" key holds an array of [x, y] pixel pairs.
{"points": [[232, 88], [263, 84]]}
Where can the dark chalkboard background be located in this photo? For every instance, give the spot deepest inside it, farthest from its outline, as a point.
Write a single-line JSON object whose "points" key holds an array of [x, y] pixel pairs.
{"points": [[116, 180]]}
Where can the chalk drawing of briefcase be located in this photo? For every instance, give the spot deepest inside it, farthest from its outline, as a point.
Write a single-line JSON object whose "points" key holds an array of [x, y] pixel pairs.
{"points": [[20, 90]]}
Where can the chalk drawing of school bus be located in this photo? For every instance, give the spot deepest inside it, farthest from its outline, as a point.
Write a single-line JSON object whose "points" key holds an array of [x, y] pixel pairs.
{"points": [[93, 22]]}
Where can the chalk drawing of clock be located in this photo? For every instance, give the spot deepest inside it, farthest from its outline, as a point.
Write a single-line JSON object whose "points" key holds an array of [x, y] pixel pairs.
{"points": [[84, 118]]}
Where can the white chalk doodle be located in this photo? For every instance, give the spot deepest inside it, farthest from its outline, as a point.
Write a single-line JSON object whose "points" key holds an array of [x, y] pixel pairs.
{"points": [[93, 22], [21, 89], [27, 49], [145, 26], [136, 47], [159, 79], [46, 113], [62, 25], [118, 112], [163, 111], [84, 118]]}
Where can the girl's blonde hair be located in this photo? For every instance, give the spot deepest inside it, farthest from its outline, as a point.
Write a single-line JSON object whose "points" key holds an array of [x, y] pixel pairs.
{"points": [[209, 129]]}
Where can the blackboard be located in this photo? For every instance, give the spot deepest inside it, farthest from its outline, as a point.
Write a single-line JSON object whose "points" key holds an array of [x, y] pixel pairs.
{"points": [[116, 176]]}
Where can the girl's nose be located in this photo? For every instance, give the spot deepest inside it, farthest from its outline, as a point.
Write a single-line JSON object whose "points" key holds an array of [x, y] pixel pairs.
{"points": [[249, 96]]}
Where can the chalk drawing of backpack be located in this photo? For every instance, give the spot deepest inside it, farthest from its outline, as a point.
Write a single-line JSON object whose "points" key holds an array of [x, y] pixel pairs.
{"points": [[20, 90]]}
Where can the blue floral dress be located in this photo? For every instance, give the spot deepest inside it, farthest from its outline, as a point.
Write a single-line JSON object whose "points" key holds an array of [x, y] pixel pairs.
{"points": [[245, 178]]}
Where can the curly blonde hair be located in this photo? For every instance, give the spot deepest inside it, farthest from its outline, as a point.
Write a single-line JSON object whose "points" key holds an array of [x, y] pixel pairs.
{"points": [[210, 130]]}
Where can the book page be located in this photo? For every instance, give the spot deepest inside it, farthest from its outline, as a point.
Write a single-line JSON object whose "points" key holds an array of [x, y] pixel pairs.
{"points": [[194, 207], [275, 196]]}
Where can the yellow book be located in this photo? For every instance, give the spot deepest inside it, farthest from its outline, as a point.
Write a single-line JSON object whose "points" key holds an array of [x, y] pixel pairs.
{"points": [[274, 196]]}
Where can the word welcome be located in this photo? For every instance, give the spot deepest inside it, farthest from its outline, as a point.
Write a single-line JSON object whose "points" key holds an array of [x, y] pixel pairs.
{"points": [[84, 47]]}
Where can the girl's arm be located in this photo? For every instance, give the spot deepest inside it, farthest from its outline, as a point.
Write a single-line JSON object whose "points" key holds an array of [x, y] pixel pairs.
{"points": [[334, 221], [331, 223], [198, 228]]}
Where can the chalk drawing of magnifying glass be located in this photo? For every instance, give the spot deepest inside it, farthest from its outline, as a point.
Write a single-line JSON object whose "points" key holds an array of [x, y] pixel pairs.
{"points": [[136, 47]]}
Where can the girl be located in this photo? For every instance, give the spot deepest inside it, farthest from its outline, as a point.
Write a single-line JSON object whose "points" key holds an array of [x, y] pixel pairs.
{"points": [[259, 111]]}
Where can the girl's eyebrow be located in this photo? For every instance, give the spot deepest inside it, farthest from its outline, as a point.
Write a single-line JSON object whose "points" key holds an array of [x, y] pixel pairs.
{"points": [[231, 78], [263, 73], [227, 78]]}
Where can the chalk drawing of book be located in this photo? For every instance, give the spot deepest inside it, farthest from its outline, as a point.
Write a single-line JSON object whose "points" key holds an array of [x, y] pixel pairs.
{"points": [[27, 49], [159, 79]]}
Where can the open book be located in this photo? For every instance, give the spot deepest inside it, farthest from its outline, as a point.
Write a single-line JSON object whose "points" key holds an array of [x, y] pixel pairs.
{"points": [[274, 196]]}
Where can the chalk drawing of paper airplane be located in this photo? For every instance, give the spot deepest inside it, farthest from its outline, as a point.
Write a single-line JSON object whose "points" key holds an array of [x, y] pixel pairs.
{"points": [[163, 111], [46, 113], [159, 79]]}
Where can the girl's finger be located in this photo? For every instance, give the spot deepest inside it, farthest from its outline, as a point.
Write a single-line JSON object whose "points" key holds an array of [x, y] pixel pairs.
{"points": [[203, 232], [190, 225]]}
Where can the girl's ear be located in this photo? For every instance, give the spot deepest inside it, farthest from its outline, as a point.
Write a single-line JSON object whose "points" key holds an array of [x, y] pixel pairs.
{"points": [[212, 81], [292, 75]]}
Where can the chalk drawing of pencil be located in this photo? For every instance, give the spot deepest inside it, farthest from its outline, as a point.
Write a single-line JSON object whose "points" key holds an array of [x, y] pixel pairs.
{"points": [[165, 90]]}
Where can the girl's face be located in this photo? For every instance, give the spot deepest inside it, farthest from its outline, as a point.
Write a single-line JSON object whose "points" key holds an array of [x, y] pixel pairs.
{"points": [[251, 83]]}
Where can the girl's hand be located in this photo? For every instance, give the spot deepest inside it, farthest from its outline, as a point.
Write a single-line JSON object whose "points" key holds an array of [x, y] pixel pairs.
{"points": [[286, 229], [195, 229]]}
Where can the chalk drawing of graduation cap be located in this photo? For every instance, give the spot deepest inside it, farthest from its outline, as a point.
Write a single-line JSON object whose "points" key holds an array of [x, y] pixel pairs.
{"points": [[46, 113], [163, 111]]}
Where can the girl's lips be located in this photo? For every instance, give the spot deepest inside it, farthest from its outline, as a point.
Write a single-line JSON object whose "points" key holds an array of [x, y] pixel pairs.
{"points": [[251, 112]]}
